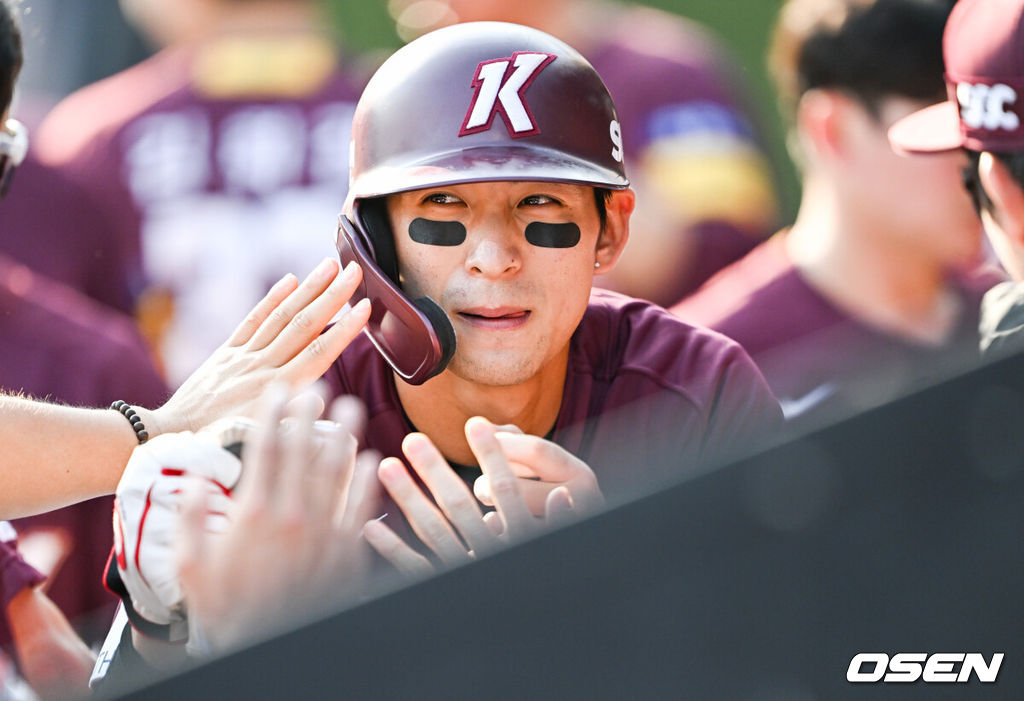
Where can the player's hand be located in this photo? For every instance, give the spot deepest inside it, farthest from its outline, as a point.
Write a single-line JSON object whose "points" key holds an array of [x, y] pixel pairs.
{"points": [[454, 517], [542, 467], [280, 340], [293, 541], [146, 513]]}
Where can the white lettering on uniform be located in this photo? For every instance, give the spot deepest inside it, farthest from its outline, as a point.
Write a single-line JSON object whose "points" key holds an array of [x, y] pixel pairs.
{"points": [[262, 149]]}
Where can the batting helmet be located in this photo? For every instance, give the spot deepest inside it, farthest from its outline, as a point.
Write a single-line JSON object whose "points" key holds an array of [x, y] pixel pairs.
{"points": [[473, 102]]}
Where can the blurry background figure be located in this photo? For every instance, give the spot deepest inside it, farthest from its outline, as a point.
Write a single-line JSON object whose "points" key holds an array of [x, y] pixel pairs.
{"points": [[984, 69], [67, 45], [868, 293], [58, 344], [693, 147], [58, 230], [222, 160], [54, 226]]}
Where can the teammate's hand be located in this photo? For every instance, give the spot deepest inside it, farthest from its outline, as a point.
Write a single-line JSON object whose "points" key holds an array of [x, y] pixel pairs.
{"points": [[293, 542], [543, 466], [146, 513], [280, 340], [456, 517]]}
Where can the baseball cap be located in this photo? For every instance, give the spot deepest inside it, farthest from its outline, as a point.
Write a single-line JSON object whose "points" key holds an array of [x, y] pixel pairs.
{"points": [[983, 47]]}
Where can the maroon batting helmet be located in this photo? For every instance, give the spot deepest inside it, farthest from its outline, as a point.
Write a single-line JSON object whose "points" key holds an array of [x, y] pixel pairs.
{"points": [[473, 102]]}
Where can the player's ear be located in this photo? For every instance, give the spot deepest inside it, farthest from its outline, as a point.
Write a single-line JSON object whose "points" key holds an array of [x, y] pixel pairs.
{"points": [[819, 123], [1006, 194], [612, 239]]}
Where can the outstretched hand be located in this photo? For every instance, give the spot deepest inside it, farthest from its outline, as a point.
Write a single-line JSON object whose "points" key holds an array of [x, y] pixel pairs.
{"points": [[542, 467], [293, 543], [453, 525], [280, 340]]}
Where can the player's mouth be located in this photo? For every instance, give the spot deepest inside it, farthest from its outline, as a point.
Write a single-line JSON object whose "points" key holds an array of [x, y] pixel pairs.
{"points": [[495, 318]]}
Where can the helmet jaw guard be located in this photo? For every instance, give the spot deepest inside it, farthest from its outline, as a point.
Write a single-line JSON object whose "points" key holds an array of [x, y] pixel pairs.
{"points": [[474, 102], [415, 337]]}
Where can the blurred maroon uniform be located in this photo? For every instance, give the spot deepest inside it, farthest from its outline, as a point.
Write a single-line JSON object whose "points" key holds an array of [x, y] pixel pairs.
{"points": [[54, 227], [15, 573], [641, 389], [225, 166], [56, 343], [821, 362], [688, 130]]}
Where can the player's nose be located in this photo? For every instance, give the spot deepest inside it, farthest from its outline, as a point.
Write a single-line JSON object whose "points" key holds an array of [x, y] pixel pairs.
{"points": [[493, 250]]}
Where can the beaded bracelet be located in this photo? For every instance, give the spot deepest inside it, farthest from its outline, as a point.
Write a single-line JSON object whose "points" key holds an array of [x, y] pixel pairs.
{"points": [[133, 418]]}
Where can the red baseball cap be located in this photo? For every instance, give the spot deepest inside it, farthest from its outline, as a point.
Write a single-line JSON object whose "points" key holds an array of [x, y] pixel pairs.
{"points": [[983, 47]]}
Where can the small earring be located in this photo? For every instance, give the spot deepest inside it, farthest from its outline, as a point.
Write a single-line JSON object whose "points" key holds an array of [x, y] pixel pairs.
{"points": [[597, 265]]}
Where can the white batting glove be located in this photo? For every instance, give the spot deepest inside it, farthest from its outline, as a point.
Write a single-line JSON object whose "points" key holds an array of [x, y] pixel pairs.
{"points": [[146, 509]]}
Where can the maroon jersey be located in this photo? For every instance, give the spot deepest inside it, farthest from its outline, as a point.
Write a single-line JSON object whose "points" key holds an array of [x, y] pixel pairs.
{"points": [[689, 129], [56, 228], [821, 362], [224, 167], [58, 344], [646, 397]]}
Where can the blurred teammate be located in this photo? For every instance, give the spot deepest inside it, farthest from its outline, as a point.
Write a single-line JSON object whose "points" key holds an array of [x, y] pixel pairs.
{"points": [[985, 116], [55, 228], [704, 185], [56, 343], [866, 295], [219, 159]]}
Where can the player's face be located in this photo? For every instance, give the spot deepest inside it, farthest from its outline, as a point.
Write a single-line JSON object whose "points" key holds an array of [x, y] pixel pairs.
{"points": [[922, 198], [511, 263]]}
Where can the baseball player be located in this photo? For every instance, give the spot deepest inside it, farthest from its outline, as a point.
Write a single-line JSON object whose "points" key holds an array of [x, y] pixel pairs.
{"points": [[488, 189], [218, 160], [984, 113], [871, 291], [480, 231]]}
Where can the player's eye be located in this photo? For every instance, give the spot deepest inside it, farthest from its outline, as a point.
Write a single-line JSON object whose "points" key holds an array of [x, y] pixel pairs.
{"points": [[538, 200], [441, 198]]}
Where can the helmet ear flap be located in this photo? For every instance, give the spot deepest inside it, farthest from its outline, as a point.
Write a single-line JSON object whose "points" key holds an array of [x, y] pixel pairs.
{"points": [[415, 337], [442, 326], [373, 214]]}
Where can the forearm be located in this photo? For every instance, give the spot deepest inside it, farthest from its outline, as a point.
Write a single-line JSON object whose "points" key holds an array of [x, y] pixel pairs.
{"points": [[58, 455], [53, 659]]}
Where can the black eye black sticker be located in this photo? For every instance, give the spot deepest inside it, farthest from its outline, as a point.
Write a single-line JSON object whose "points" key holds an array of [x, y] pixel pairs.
{"points": [[437, 233], [548, 235]]}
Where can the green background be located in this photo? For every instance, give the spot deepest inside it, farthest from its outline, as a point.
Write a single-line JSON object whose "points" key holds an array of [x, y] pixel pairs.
{"points": [[743, 25]]}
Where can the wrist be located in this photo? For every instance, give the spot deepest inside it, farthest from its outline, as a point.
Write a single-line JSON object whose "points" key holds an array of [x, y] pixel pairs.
{"points": [[155, 422]]}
